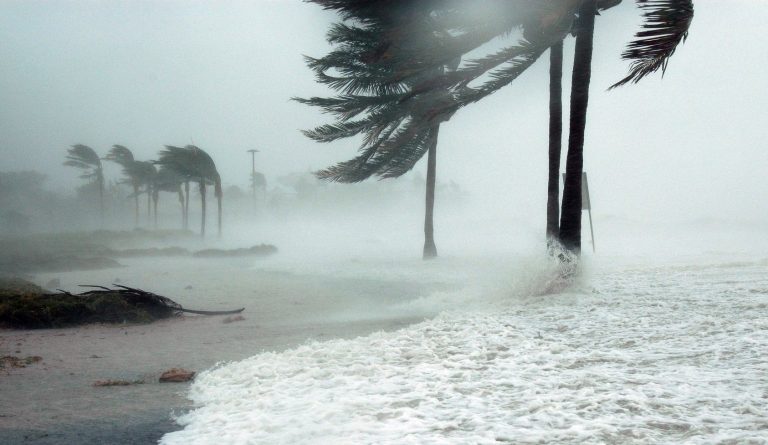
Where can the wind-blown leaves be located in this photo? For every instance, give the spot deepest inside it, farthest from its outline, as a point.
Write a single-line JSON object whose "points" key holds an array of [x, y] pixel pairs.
{"points": [[402, 67], [397, 67], [85, 158], [666, 24]]}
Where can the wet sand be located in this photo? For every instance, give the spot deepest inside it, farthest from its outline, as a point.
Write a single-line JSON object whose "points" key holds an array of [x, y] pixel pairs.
{"points": [[53, 401]]}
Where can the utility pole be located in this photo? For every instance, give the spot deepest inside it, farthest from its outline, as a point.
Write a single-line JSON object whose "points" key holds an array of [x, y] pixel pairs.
{"points": [[253, 170]]}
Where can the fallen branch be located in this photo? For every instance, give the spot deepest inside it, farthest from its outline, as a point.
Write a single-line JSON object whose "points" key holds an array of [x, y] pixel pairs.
{"points": [[99, 304]]}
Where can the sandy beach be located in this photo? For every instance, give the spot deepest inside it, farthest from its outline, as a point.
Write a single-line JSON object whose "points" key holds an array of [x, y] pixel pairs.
{"points": [[53, 401]]}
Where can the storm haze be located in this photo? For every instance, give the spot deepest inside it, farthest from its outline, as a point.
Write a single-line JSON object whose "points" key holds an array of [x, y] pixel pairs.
{"points": [[220, 75]]}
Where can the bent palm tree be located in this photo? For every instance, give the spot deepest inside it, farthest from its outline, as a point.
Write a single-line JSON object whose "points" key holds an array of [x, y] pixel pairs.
{"points": [[191, 163], [85, 158], [124, 157], [145, 171], [394, 91], [360, 54], [168, 180]]}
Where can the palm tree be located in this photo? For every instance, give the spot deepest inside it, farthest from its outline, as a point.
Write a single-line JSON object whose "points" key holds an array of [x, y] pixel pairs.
{"points": [[395, 81], [147, 171], [666, 26], [363, 58], [85, 158], [168, 180], [191, 163], [570, 222], [207, 169], [555, 141], [124, 157]]}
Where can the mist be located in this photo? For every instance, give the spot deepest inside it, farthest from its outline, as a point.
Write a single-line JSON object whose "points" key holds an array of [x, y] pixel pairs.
{"points": [[347, 335]]}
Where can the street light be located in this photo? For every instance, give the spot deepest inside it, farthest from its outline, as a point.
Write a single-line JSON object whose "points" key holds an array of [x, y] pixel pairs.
{"points": [[253, 170]]}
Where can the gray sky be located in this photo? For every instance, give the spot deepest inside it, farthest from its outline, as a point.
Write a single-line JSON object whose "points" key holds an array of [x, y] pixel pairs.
{"points": [[220, 74]]}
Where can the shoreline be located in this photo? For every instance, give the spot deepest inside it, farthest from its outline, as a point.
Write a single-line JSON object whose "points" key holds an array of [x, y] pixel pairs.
{"points": [[71, 410], [53, 400]]}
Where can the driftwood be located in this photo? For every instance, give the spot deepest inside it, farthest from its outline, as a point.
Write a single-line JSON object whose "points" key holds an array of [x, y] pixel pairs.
{"points": [[142, 297]]}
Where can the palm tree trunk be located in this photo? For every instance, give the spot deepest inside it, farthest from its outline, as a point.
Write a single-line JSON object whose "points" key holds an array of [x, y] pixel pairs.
{"points": [[136, 198], [101, 194], [155, 198], [430, 249], [570, 221], [202, 202], [181, 201], [218, 202], [149, 205], [555, 140], [186, 205]]}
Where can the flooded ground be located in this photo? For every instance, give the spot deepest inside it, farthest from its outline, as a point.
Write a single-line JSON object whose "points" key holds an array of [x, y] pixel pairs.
{"points": [[349, 347], [666, 352], [54, 401]]}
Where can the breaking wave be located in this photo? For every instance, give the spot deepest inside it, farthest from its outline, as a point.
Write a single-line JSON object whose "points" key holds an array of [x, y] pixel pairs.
{"points": [[643, 355]]}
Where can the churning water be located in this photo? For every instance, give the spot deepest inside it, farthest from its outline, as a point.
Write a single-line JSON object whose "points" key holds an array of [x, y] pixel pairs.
{"points": [[638, 352]]}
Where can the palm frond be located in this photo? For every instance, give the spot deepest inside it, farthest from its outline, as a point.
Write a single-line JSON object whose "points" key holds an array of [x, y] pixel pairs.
{"points": [[666, 24], [82, 156]]}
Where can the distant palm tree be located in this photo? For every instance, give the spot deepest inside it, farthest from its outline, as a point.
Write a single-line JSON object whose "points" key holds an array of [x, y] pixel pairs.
{"points": [[192, 163], [167, 180], [124, 157], [85, 158], [146, 172]]}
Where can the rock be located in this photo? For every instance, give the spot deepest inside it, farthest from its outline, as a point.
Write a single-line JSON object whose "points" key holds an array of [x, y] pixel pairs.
{"points": [[233, 318], [189, 287], [53, 283], [177, 375]]}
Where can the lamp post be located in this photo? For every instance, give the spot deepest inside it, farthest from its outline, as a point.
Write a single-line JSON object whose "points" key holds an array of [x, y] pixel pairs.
{"points": [[253, 170]]}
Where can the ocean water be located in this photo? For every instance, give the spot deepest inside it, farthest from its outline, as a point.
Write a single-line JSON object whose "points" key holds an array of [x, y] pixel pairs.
{"points": [[641, 349]]}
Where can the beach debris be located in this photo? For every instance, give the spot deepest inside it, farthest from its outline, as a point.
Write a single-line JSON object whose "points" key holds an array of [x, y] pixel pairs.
{"points": [[176, 375], [100, 304], [233, 319], [99, 383], [11, 361]]}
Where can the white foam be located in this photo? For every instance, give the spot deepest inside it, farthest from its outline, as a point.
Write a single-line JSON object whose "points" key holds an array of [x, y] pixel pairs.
{"points": [[647, 355]]}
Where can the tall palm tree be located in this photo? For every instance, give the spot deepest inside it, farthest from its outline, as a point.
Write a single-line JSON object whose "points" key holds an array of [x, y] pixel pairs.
{"points": [[85, 158], [665, 27], [193, 164], [570, 221], [555, 141], [360, 55], [394, 92]]}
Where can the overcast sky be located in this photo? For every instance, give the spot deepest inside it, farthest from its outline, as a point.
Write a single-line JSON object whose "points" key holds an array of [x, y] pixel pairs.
{"points": [[220, 74]]}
